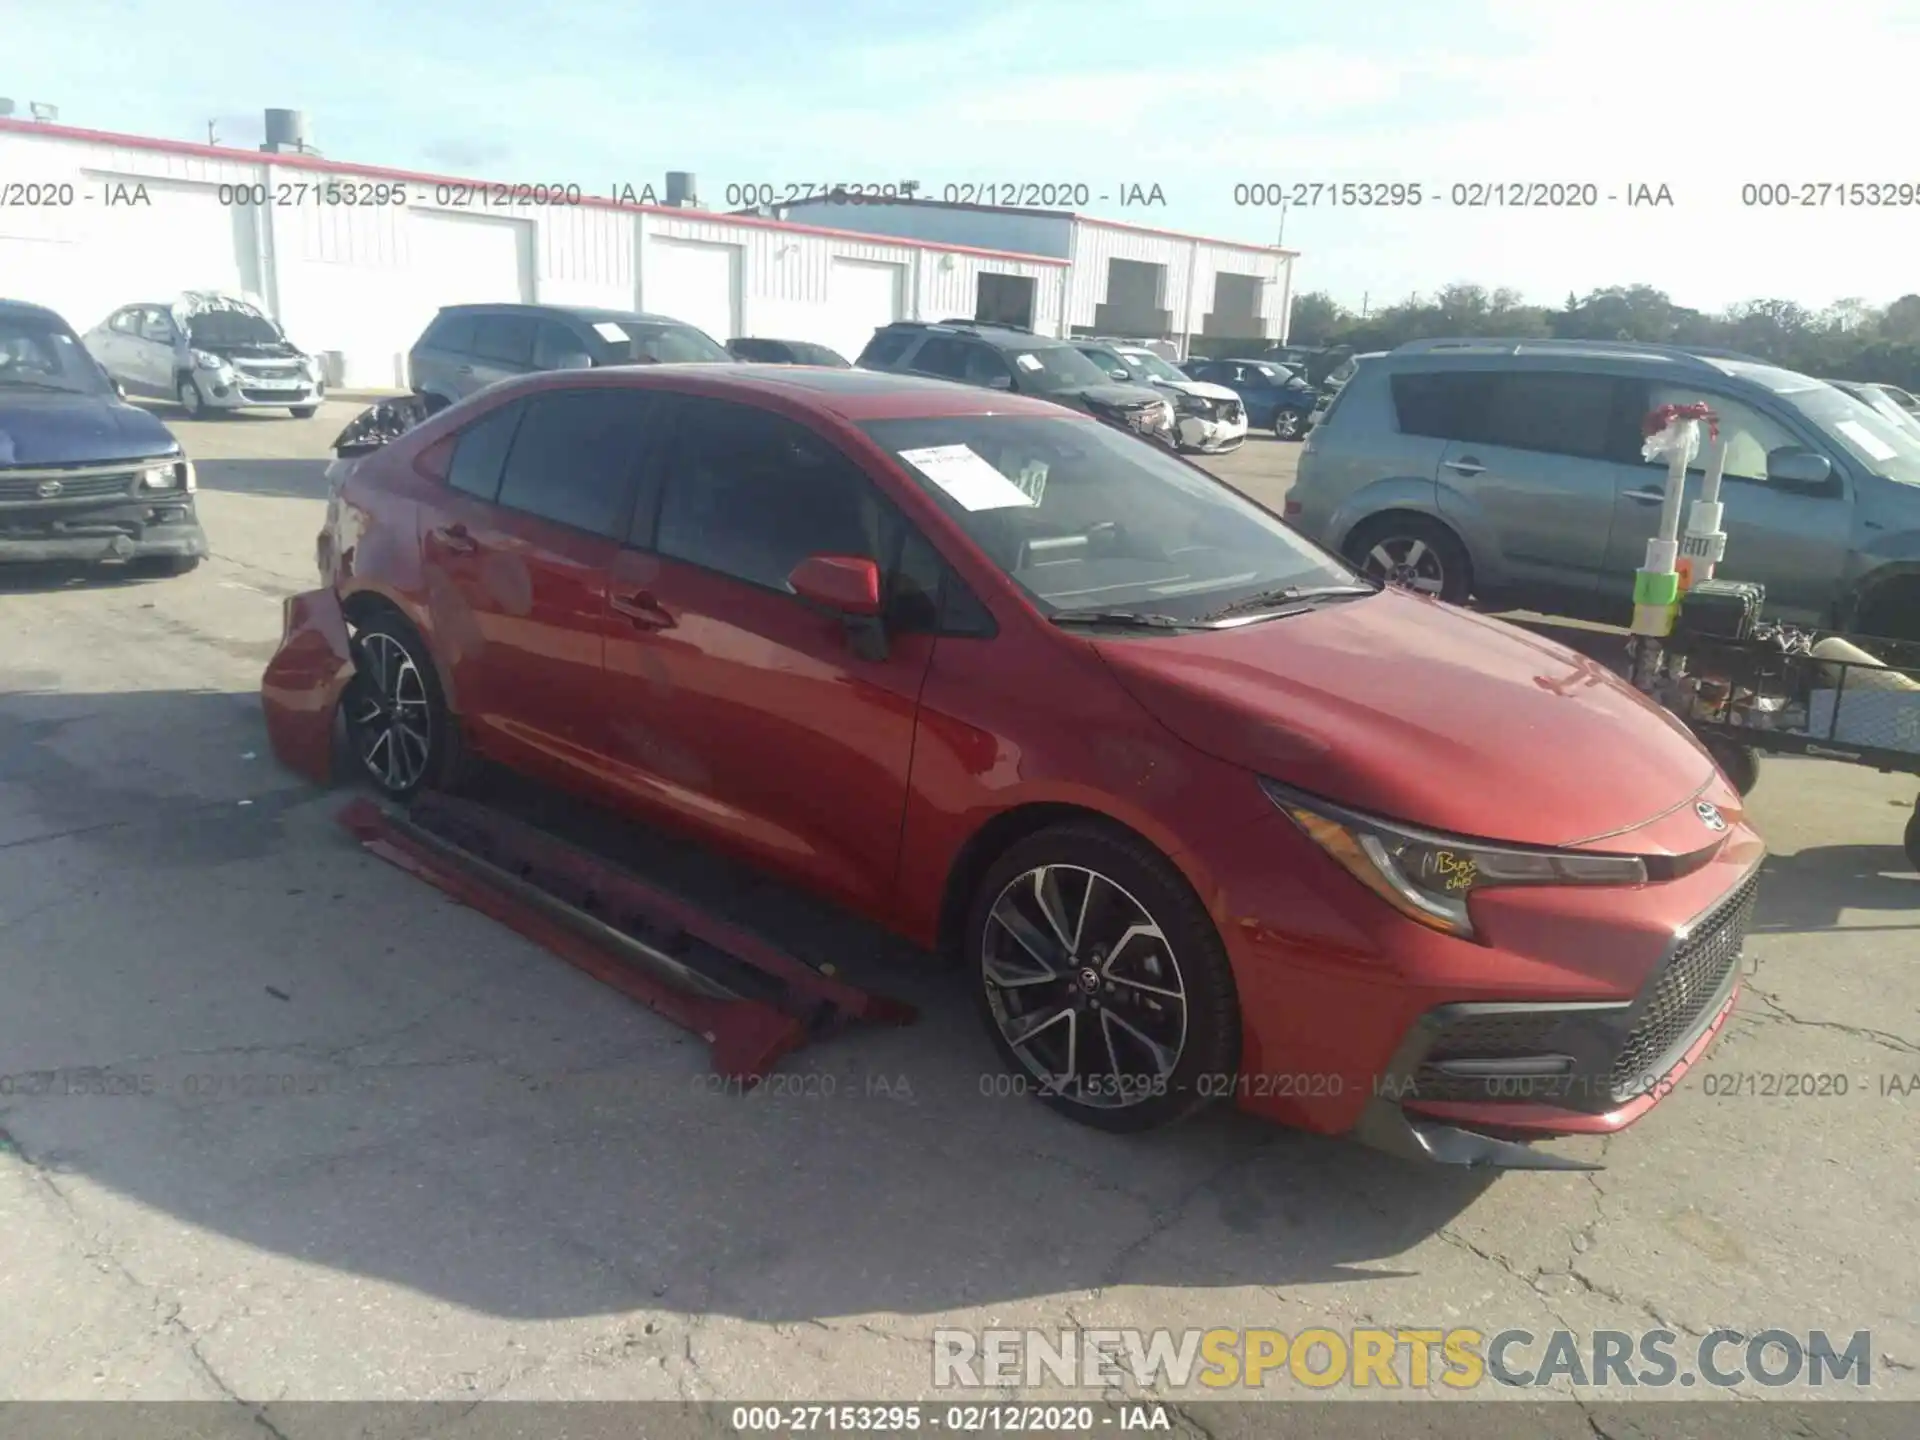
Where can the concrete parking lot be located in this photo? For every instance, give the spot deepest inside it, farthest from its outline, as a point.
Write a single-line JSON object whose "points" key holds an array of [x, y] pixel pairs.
{"points": [[348, 1140]]}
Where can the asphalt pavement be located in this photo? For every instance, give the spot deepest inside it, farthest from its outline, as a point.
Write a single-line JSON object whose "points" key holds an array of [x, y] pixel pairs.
{"points": [[327, 1135]]}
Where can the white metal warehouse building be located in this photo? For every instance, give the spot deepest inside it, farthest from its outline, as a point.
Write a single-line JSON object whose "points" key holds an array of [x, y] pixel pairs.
{"points": [[103, 220]]}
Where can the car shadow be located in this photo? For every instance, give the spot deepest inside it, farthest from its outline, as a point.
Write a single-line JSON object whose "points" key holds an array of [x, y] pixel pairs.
{"points": [[43, 577], [283, 478], [1814, 889], [310, 1053]]}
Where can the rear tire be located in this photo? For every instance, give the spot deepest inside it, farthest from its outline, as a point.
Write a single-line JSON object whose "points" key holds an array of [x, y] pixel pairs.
{"points": [[1891, 611], [1102, 980], [1289, 425], [1415, 552], [403, 736], [1913, 837], [165, 566]]}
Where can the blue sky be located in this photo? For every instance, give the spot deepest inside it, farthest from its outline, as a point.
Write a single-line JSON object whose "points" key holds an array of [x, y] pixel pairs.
{"points": [[1703, 96]]}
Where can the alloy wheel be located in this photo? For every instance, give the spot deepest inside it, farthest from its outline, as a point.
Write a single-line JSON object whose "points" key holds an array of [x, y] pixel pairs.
{"points": [[1409, 562], [1286, 425], [1084, 987], [391, 714]]}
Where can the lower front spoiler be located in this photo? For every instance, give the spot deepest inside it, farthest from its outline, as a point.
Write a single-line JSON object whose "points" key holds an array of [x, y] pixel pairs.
{"points": [[86, 545], [304, 681], [1385, 1126]]}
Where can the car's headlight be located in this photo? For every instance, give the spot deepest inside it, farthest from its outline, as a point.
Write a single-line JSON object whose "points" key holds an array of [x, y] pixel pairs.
{"points": [[177, 475], [314, 371], [204, 360], [1427, 876]]}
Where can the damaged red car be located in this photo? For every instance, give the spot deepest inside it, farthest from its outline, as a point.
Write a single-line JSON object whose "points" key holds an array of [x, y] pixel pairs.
{"points": [[1208, 816]]}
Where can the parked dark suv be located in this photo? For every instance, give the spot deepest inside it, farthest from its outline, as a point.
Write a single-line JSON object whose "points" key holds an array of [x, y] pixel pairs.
{"points": [[83, 475], [468, 347], [1000, 357]]}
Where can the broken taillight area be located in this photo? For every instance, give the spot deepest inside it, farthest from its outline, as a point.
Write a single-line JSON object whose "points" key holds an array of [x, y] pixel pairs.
{"points": [[301, 689]]}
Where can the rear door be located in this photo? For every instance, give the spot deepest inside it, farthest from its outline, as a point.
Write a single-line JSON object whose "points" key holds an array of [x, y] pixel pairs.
{"points": [[433, 366], [502, 348], [517, 556], [1530, 471], [152, 351], [1794, 542]]}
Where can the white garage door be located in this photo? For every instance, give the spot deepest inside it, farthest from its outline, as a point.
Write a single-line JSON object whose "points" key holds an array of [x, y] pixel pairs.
{"points": [[693, 282], [862, 295], [179, 237], [470, 259]]}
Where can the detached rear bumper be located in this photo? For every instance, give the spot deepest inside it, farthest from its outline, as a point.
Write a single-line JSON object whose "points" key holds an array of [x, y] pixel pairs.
{"points": [[301, 689]]}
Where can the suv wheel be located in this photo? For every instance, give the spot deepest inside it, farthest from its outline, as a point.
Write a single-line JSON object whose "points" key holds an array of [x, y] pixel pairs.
{"points": [[1288, 425], [1415, 553]]}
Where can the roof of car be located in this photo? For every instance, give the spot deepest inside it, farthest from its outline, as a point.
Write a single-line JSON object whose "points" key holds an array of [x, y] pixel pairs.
{"points": [[1003, 335], [589, 313], [852, 394], [27, 307]]}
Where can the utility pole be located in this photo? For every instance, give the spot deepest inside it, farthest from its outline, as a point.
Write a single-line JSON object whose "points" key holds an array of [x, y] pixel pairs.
{"points": [[212, 138], [1281, 238], [1363, 303]]}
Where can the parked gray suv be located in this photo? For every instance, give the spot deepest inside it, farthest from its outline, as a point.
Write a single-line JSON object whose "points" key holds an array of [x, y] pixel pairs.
{"points": [[468, 347], [1511, 471]]}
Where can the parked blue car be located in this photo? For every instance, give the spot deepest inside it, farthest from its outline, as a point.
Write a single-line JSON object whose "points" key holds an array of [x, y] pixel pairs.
{"points": [[1276, 398], [84, 476]]}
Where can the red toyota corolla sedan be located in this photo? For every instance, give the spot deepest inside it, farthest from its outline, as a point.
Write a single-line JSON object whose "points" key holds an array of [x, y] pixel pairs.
{"points": [[1208, 816]]}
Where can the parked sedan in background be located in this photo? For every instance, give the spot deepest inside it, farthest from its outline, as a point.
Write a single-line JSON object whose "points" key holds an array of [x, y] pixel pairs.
{"points": [[1275, 397], [1876, 399], [468, 347], [84, 476], [786, 352], [1022, 689], [1906, 400], [208, 352], [1207, 418]]}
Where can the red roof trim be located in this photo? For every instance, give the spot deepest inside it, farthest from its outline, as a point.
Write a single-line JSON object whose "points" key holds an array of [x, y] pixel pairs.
{"points": [[343, 167], [1183, 235]]}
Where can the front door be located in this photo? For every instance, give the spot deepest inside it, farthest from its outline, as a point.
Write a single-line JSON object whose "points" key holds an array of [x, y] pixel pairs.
{"points": [[152, 352], [1530, 471], [1791, 541], [734, 706], [502, 347], [517, 553]]}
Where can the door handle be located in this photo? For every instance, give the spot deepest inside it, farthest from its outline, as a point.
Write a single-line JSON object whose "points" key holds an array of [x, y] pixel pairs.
{"points": [[1466, 466], [455, 538], [1645, 497], [643, 610], [464, 370]]}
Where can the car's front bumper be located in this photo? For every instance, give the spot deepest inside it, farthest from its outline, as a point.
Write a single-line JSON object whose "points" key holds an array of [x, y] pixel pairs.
{"points": [[1357, 1021], [1210, 436], [246, 392], [95, 513]]}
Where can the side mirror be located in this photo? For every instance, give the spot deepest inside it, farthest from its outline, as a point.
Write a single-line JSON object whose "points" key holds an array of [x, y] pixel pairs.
{"points": [[378, 425], [1798, 469], [1000, 382], [1120, 374], [119, 389], [578, 360], [845, 584]]}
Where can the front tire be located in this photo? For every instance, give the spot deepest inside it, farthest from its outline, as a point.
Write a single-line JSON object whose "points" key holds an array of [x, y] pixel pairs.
{"points": [[165, 566], [187, 393], [1912, 841], [1289, 425], [1414, 552], [398, 725], [1102, 980]]}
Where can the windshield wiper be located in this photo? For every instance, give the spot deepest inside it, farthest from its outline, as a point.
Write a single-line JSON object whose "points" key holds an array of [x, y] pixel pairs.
{"points": [[1126, 619], [1290, 595]]}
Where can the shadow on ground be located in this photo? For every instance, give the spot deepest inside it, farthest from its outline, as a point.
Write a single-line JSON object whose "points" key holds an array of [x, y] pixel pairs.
{"points": [[291, 479], [309, 1052]]}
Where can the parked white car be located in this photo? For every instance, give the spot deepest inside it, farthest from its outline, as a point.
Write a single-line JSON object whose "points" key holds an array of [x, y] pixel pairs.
{"points": [[207, 351], [1208, 418]]}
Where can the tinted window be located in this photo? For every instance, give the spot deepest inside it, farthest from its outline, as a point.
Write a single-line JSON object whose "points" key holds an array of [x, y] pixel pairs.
{"points": [[751, 495], [127, 322], [985, 365], [157, 325], [942, 355], [809, 354], [555, 346], [575, 458], [451, 332], [506, 338], [886, 347], [769, 350], [1554, 413], [481, 452], [1748, 435], [1446, 406]]}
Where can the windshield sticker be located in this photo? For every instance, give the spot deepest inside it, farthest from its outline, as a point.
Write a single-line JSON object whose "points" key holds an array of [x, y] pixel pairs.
{"points": [[1865, 439], [1027, 362], [970, 480], [607, 330], [1032, 479]]}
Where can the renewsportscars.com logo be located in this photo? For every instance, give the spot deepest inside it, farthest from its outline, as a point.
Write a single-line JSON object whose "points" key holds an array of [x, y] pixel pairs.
{"points": [[1408, 1358]]}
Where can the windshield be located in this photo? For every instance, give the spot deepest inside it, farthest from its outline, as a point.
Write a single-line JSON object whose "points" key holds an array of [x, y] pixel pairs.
{"points": [[231, 327], [1146, 365], [1879, 444], [654, 344], [1081, 516], [36, 356], [809, 354], [1056, 367]]}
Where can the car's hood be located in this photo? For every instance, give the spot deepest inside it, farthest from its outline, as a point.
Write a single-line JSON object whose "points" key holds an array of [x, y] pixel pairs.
{"points": [[1413, 710], [1116, 397], [1199, 389], [38, 427]]}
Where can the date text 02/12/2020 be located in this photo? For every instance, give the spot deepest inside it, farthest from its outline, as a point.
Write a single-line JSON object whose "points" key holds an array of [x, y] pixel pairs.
{"points": [[1459, 194]]}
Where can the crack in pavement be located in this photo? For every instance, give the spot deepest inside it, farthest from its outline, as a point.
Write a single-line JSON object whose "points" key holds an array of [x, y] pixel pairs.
{"points": [[1884, 1038]]}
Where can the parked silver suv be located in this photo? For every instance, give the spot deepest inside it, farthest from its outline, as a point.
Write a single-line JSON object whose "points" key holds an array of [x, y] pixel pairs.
{"points": [[1511, 471]]}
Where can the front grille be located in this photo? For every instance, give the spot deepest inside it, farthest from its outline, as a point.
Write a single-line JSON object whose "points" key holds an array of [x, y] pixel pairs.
{"points": [[271, 397], [1493, 1036], [1675, 1005], [77, 487]]}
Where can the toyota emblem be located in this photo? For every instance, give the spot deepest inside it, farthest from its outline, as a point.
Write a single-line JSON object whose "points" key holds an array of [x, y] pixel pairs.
{"points": [[47, 489], [1710, 816]]}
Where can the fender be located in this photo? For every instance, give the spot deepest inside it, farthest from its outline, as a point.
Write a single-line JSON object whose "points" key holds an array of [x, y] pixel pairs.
{"points": [[1418, 493]]}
